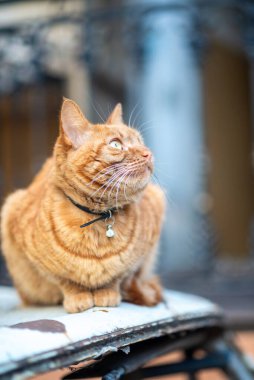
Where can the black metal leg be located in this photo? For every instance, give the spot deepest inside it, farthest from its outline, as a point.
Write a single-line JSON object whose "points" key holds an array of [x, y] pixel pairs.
{"points": [[235, 368], [192, 376], [212, 360], [136, 375], [189, 355], [115, 374]]}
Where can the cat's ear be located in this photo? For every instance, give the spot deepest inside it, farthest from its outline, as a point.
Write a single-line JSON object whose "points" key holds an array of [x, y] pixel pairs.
{"points": [[116, 116], [74, 125]]}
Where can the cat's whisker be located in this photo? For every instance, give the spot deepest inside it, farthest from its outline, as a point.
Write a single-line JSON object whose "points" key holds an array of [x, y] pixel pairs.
{"points": [[129, 167], [119, 185], [125, 185], [144, 124], [133, 110], [134, 173], [111, 181], [99, 176], [169, 199], [162, 171], [108, 170], [112, 178], [102, 112], [97, 112], [137, 115], [133, 183], [113, 185], [146, 129], [133, 165]]}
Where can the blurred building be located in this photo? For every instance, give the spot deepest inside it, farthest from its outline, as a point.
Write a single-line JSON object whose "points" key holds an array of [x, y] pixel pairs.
{"points": [[184, 72]]}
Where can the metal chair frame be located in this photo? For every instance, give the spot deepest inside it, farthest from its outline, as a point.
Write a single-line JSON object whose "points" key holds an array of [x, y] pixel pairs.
{"points": [[218, 352]]}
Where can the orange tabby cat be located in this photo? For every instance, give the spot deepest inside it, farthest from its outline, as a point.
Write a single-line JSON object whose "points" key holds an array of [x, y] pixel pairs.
{"points": [[94, 169]]}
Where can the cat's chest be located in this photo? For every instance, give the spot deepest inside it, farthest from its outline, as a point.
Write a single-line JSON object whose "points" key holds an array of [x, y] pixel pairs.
{"points": [[115, 226], [89, 255], [93, 257], [105, 236]]}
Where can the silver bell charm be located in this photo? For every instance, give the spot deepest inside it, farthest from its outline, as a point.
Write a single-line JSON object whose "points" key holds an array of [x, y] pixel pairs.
{"points": [[110, 232]]}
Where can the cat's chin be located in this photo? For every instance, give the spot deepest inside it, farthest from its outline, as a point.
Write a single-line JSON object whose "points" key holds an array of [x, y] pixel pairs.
{"points": [[129, 192], [138, 183], [130, 195], [135, 190]]}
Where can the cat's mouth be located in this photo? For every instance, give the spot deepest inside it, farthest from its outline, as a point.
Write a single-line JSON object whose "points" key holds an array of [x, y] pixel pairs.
{"points": [[150, 166], [147, 167], [143, 166], [142, 172]]}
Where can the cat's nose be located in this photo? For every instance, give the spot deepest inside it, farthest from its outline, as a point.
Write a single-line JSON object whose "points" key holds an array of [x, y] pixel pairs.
{"points": [[147, 154]]}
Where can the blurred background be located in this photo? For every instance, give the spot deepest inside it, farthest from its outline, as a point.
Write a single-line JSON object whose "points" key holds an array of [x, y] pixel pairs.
{"points": [[184, 71]]}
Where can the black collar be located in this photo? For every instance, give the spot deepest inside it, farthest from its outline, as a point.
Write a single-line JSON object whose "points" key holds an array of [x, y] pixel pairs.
{"points": [[103, 215]]}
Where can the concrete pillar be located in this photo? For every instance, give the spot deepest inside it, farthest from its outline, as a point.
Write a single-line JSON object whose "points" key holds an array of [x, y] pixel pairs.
{"points": [[171, 95]]}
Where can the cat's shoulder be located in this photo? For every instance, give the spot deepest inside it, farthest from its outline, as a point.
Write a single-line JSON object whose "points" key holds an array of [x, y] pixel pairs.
{"points": [[155, 193], [154, 190]]}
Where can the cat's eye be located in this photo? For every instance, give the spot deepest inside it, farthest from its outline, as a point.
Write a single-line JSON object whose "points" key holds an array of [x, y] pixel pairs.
{"points": [[116, 144]]}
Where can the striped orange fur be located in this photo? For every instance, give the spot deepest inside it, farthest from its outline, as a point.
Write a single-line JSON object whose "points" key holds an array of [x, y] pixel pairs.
{"points": [[50, 258]]}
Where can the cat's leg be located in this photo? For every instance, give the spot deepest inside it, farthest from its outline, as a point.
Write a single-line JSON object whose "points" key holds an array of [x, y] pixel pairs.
{"points": [[143, 287], [76, 298], [107, 296], [33, 288], [147, 292]]}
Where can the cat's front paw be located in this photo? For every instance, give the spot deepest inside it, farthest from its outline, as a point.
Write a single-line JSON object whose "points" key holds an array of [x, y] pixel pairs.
{"points": [[144, 292], [106, 297], [75, 303]]}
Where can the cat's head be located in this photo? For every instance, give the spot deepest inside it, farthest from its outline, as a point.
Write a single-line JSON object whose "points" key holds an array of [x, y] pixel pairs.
{"points": [[108, 164]]}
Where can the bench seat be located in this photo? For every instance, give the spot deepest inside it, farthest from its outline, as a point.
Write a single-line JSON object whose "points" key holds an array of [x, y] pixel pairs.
{"points": [[37, 339]]}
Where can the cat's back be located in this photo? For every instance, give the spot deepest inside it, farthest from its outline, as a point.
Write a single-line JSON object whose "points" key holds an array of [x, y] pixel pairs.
{"points": [[22, 204]]}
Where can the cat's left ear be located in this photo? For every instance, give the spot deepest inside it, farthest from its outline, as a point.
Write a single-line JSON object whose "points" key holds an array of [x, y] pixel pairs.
{"points": [[74, 125], [116, 116]]}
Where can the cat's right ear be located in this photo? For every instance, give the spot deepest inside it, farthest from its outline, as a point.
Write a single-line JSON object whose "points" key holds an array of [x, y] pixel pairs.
{"points": [[73, 125], [116, 116]]}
